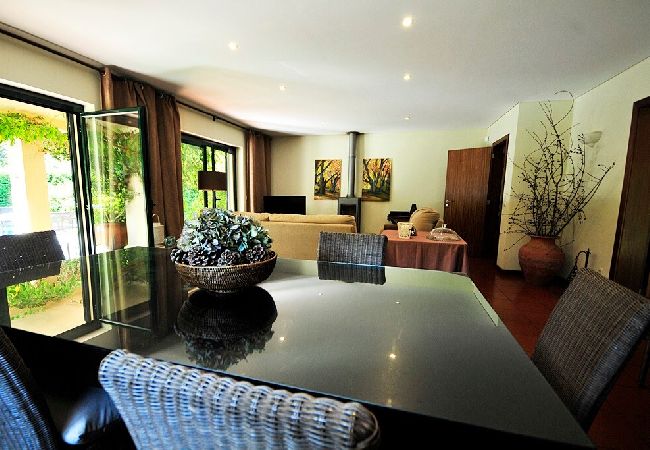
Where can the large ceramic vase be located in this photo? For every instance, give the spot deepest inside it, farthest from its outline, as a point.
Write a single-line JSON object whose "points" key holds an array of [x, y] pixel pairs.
{"points": [[541, 260]]}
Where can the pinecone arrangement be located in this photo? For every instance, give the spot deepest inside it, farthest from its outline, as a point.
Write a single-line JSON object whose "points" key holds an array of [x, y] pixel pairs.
{"points": [[220, 238]]}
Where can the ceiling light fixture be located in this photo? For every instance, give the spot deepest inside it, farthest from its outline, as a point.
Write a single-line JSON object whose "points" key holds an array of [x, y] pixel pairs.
{"points": [[234, 46], [283, 87], [407, 21], [407, 76], [407, 117]]}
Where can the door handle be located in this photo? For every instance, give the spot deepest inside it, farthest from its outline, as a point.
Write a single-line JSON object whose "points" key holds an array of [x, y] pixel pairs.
{"points": [[447, 202]]}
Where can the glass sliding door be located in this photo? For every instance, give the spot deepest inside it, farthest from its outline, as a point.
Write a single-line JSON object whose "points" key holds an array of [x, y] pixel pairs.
{"points": [[114, 148]]}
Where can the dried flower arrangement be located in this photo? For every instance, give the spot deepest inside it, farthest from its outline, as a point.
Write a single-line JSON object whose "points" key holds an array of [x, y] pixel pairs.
{"points": [[556, 185], [221, 238]]}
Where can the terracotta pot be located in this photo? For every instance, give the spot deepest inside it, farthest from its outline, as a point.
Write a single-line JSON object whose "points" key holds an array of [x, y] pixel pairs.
{"points": [[111, 235], [541, 260]]}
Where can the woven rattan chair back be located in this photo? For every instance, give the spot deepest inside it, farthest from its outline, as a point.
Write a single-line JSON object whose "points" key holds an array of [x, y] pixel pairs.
{"points": [[24, 250], [590, 334], [351, 273], [174, 407], [354, 248], [25, 422]]}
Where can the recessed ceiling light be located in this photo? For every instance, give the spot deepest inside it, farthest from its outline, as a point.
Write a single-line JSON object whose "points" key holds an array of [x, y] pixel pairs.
{"points": [[283, 87], [407, 117], [232, 45], [407, 21], [407, 76]]}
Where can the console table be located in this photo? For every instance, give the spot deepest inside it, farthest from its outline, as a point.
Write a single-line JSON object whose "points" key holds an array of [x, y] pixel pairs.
{"points": [[422, 253]]}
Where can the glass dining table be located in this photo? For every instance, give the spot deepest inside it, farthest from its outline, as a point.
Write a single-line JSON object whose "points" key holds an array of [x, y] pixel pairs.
{"points": [[421, 348]]}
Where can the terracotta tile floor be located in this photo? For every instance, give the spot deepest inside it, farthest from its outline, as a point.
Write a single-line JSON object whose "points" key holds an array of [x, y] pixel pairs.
{"points": [[623, 421]]}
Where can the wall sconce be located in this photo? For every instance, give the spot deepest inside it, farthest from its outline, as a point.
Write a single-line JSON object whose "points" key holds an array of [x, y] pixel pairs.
{"points": [[210, 180], [592, 138]]}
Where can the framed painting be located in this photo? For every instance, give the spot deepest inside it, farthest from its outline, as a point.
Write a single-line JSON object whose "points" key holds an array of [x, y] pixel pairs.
{"points": [[376, 180], [327, 179]]}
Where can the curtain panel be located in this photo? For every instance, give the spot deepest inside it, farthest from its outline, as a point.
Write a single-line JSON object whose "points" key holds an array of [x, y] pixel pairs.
{"points": [[258, 169], [164, 143]]}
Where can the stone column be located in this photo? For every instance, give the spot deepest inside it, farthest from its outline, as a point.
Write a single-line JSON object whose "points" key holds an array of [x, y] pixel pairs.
{"points": [[29, 189]]}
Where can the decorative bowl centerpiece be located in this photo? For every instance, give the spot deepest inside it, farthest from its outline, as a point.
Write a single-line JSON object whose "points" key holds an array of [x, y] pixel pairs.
{"points": [[223, 252]]}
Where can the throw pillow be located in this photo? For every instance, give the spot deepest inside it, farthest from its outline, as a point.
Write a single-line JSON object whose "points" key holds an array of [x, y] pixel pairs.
{"points": [[424, 219]]}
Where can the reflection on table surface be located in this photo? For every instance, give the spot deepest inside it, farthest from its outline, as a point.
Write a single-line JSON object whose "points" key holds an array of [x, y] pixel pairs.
{"points": [[417, 342], [220, 330]]}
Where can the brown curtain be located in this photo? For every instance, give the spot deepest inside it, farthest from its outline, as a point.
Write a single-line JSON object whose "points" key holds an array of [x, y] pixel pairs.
{"points": [[164, 143], [258, 169]]}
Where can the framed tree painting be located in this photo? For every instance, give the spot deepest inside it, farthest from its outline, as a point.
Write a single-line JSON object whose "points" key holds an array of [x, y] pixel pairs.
{"points": [[327, 179], [376, 179]]}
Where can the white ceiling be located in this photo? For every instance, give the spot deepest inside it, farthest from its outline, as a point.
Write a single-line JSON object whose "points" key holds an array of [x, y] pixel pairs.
{"points": [[342, 61]]}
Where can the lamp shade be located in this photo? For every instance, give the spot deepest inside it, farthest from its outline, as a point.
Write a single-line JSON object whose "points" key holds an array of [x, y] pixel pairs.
{"points": [[210, 180]]}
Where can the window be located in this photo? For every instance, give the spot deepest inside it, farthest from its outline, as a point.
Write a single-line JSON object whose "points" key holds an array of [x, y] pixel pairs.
{"points": [[201, 154]]}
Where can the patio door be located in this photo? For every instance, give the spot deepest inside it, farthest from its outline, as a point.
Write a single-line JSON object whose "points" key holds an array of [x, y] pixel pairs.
{"points": [[114, 152], [40, 190]]}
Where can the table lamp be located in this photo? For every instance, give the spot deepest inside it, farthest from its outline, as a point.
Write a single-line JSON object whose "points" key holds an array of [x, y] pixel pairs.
{"points": [[211, 180]]}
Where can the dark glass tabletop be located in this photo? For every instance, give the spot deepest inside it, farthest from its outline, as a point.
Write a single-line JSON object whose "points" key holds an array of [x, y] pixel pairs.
{"points": [[418, 341]]}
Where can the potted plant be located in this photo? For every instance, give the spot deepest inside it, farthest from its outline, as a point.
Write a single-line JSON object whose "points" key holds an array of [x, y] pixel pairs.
{"points": [[223, 252], [119, 162], [555, 188]]}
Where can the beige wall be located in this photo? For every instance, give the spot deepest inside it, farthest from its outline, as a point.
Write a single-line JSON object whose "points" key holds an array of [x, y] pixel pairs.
{"points": [[506, 125], [419, 162], [608, 108], [30, 68]]}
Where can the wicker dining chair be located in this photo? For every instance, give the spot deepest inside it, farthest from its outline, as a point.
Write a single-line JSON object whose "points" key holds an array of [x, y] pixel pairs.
{"points": [[25, 421], [23, 250], [175, 407], [354, 248], [35, 417], [589, 336], [351, 273]]}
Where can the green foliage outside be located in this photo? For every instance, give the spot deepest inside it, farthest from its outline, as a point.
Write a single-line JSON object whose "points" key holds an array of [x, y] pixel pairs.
{"points": [[191, 163], [54, 142], [32, 296], [5, 190], [14, 125], [60, 186], [117, 158]]}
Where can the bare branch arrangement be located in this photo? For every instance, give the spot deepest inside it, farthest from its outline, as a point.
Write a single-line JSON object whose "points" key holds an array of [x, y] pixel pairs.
{"points": [[556, 185]]}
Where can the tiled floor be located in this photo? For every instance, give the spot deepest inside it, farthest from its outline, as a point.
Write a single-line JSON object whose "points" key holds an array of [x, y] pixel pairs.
{"points": [[624, 419]]}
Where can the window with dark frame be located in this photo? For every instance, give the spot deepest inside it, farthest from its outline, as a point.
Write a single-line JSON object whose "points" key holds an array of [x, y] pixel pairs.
{"points": [[199, 154]]}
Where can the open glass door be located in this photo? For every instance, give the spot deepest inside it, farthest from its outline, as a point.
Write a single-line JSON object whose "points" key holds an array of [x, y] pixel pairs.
{"points": [[116, 178], [114, 148]]}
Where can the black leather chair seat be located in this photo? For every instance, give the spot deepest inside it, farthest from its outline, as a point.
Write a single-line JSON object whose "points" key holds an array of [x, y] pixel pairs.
{"points": [[85, 418]]}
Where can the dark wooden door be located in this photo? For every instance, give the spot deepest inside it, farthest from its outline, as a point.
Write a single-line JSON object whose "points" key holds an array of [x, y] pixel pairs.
{"points": [[468, 172], [495, 199], [631, 247]]}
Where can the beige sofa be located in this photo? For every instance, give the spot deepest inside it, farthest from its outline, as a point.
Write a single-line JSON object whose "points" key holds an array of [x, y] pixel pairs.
{"points": [[296, 235]]}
